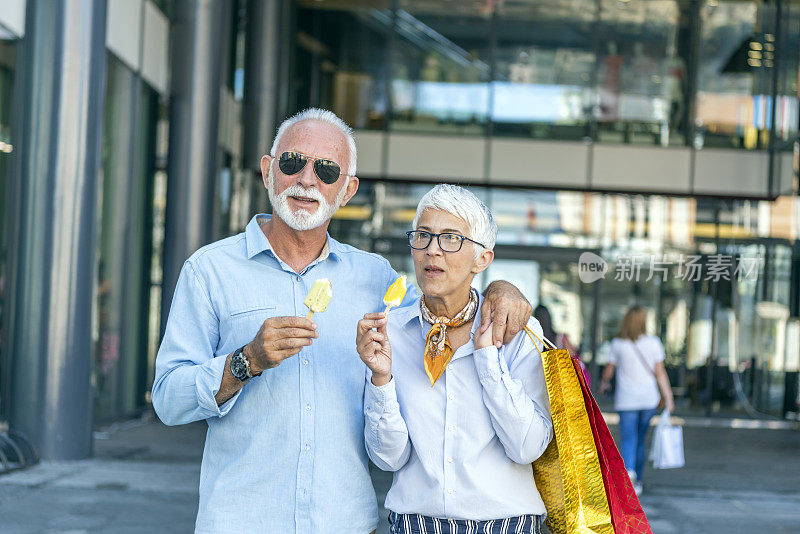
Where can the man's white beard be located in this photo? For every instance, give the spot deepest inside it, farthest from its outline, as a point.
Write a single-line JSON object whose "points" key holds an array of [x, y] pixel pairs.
{"points": [[301, 219]]}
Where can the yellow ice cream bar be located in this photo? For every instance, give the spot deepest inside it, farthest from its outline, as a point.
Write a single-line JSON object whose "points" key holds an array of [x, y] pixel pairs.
{"points": [[394, 295], [319, 296]]}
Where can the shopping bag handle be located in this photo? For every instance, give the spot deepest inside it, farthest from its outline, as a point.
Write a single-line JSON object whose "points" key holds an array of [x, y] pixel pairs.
{"points": [[664, 418], [532, 335]]}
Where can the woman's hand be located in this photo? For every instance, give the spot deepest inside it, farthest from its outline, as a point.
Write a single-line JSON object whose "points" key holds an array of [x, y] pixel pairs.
{"points": [[605, 380], [662, 379], [483, 339], [373, 347], [507, 309]]}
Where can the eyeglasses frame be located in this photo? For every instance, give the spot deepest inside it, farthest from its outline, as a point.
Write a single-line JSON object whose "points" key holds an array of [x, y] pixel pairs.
{"points": [[438, 242]]}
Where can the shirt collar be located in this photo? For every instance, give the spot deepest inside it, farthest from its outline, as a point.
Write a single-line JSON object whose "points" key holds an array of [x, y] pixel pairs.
{"points": [[407, 314], [257, 242]]}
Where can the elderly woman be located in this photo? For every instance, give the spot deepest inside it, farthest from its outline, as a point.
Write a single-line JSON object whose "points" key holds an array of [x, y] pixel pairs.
{"points": [[458, 420]]}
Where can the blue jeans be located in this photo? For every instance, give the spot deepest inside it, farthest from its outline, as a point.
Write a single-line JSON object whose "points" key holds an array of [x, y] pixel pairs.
{"points": [[633, 426]]}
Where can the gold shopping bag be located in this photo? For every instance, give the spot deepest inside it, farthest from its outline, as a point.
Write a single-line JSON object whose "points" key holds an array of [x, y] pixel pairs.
{"points": [[568, 474]]}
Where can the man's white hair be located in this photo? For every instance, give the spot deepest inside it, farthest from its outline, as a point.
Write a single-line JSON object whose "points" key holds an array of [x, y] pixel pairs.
{"points": [[320, 115], [466, 206]]}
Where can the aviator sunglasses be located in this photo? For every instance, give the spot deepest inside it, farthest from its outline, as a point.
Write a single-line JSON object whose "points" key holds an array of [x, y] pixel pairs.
{"points": [[293, 162]]}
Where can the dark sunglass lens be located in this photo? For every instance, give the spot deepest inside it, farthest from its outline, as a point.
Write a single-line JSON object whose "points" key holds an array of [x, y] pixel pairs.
{"points": [[327, 170], [291, 163]]}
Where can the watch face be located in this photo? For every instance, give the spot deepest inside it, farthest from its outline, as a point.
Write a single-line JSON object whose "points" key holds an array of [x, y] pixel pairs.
{"points": [[239, 367]]}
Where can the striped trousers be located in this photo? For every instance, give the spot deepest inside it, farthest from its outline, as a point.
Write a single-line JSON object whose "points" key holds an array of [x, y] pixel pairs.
{"points": [[420, 524]]}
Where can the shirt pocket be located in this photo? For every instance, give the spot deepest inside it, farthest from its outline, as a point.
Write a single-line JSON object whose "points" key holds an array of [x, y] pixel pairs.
{"points": [[252, 309], [245, 320]]}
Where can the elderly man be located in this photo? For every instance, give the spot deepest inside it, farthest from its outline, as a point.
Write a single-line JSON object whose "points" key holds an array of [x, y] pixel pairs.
{"points": [[283, 395]]}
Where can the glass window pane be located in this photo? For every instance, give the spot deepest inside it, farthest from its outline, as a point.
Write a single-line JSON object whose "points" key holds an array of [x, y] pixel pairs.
{"points": [[340, 60], [735, 62], [544, 67], [8, 49], [441, 67], [641, 73], [125, 242], [788, 61]]}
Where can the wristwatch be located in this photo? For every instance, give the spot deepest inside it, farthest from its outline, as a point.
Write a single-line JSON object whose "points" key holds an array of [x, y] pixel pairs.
{"points": [[240, 367]]}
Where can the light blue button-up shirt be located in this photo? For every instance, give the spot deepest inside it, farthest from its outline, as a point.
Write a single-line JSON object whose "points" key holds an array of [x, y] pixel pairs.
{"points": [[286, 453], [463, 448]]}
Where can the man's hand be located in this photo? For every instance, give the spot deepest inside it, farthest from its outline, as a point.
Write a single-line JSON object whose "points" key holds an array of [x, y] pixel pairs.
{"points": [[373, 347], [506, 309], [277, 339]]}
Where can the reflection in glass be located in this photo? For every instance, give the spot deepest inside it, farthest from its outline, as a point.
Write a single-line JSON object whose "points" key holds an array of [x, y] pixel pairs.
{"points": [[340, 61], [736, 61], [641, 73], [543, 68], [788, 62], [125, 241], [440, 67], [7, 56]]}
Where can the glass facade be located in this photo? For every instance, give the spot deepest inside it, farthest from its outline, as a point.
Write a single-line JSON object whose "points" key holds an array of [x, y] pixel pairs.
{"points": [[125, 244], [655, 72], [738, 55], [441, 67], [544, 69], [8, 51], [349, 75]]}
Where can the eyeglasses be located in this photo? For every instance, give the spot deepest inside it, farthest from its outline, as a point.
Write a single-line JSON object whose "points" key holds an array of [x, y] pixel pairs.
{"points": [[448, 242], [293, 162]]}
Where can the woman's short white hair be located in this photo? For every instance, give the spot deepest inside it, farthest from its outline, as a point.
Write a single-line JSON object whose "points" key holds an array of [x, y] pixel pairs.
{"points": [[321, 115], [466, 206]]}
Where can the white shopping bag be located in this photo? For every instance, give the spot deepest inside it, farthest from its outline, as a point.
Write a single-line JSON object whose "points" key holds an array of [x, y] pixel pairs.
{"points": [[667, 450]]}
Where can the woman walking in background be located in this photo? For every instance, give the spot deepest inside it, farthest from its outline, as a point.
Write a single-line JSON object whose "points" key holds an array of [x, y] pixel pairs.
{"points": [[638, 361]]}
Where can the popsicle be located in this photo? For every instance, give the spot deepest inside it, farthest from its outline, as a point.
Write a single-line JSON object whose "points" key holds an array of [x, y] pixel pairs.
{"points": [[319, 296], [394, 295]]}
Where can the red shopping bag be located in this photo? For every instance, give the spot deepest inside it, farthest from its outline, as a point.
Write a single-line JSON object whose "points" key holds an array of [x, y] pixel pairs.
{"points": [[627, 515]]}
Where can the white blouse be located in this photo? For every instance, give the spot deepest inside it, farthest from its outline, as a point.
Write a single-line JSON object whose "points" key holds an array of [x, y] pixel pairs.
{"points": [[463, 448]]}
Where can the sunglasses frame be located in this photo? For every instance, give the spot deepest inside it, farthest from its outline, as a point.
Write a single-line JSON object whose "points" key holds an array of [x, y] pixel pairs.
{"points": [[438, 241], [305, 158]]}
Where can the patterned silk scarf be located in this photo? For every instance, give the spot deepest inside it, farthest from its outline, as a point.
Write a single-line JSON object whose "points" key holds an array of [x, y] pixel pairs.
{"points": [[438, 350]]}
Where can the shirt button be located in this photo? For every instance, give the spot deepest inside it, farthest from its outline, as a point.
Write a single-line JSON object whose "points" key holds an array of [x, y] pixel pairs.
{"points": [[305, 361], [308, 407], [450, 491], [451, 397], [449, 460], [451, 428], [298, 278], [308, 447]]}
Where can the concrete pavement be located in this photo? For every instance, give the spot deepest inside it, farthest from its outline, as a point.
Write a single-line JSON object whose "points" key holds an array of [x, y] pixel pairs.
{"points": [[143, 478]]}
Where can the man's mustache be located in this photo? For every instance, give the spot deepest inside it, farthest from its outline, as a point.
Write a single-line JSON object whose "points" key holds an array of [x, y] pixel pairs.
{"points": [[299, 191]]}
